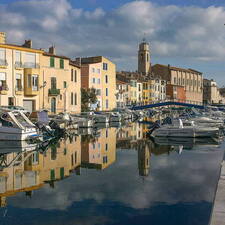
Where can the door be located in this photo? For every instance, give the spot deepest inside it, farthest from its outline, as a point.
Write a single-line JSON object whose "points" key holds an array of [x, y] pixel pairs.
{"points": [[53, 105], [28, 105]]}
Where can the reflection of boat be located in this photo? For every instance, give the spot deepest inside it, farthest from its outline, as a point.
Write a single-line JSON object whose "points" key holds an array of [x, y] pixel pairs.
{"points": [[177, 129], [14, 125], [16, 146], [188, 143]]}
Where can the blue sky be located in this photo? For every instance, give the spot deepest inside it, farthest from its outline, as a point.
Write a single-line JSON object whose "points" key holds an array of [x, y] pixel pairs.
{"points": [[183, 33]]}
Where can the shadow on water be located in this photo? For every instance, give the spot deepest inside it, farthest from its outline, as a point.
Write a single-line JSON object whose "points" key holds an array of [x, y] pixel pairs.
{"points": [[109, 176]]}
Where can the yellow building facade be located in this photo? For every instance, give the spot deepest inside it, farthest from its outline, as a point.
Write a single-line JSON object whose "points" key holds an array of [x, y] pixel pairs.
{"points": [[104, 80], [20, 75], [59, 84]]}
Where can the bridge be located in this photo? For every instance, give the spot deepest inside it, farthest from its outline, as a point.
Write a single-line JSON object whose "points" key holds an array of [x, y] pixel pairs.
{"points": [[168, 103]]}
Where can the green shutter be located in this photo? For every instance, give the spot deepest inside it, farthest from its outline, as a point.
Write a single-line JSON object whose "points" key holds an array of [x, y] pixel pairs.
{"points": [[62, 172], [52, 174], [61, 64], [52, 62]]}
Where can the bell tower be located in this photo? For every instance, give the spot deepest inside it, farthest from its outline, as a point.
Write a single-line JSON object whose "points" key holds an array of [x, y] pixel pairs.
{"points": [[144, 58]]}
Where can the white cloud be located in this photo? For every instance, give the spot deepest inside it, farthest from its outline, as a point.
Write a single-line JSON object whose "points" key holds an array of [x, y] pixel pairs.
{"points": [[187, 33]]}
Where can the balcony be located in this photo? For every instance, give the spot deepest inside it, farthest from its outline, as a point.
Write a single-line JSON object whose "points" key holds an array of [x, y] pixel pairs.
{"points": [[28, 65], [3, 63], [4, 89], [19, 90], [19, 65], [53, 92]]}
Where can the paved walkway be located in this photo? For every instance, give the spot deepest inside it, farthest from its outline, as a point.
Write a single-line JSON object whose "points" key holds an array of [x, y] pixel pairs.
{"points": [[218, 213]]}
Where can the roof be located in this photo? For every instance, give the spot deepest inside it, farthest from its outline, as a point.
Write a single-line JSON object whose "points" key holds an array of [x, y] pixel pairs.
{"points": [[73, 63], [20, 47], [178, 68], [57, 56]]}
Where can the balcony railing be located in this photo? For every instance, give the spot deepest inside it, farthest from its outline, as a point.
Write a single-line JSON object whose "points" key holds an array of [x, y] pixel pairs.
{"points": [[19, 65], [4, 87], [19, 88], [3, 62], [31, 65], [54, 91]]}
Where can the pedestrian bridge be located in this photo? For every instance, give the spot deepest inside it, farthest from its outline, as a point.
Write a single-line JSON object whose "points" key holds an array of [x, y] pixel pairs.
{"points": [[167, 103]]}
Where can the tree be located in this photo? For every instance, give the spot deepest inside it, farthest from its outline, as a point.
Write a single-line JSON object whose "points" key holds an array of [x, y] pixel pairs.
{"points": [[88, 96]]}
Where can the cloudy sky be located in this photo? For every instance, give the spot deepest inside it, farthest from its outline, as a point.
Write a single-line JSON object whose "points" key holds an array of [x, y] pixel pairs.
{"points": [[185, 33]]}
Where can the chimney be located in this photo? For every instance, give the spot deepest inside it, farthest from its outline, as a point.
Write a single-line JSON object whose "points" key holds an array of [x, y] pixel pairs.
{"points": [[52, 50], [2, 38], [27, 44], [78, 61]]}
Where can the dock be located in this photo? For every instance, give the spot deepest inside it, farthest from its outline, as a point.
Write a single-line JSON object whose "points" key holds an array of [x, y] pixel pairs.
{"points": [[218, 212]]}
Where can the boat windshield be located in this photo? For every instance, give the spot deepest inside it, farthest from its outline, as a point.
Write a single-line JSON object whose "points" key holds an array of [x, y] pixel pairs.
{"points": [[21, 120], [6, 120]]}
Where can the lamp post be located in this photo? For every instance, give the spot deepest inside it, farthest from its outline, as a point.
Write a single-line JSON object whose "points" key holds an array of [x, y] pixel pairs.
{"points": [[43, 86]]}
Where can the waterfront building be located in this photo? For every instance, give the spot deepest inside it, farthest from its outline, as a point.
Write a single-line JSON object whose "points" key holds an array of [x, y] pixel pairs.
{"points": [[211, 93], [123, 90], [190, 79], [175, 93], [59, 83], [19, 74], [99, 153], [100, 73]]}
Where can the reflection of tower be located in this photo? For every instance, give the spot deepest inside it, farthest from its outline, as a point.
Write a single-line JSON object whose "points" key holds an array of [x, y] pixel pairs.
{"points": [[143, 160], [144, 58], [3, 201]]}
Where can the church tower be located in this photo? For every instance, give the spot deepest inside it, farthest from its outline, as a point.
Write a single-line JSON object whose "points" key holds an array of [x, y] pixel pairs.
{"points": [[144, 58]]}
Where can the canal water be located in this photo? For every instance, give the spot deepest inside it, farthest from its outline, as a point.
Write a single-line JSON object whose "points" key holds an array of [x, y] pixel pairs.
{"points": [[116, 176]]}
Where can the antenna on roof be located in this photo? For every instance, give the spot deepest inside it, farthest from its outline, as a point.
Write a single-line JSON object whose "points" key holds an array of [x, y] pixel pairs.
{"points": [[144, 38]]}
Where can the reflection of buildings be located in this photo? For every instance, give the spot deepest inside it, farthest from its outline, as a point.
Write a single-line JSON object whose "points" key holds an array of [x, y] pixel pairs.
{"points": [[101, 152], [130, 136], [28, 171], [144, 160]]}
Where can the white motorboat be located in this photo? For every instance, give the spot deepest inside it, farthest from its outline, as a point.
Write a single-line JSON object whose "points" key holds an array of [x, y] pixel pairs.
{"points": [[205, 121], [15, 126], [184, 130]]}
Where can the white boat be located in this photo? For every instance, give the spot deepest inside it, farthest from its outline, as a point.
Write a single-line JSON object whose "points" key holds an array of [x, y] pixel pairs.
{"points": [[205, 121], [187, 130], [15, 126]]}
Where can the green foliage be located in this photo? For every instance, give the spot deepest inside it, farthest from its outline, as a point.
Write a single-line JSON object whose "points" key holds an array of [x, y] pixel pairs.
{"points": [[88, 96]]}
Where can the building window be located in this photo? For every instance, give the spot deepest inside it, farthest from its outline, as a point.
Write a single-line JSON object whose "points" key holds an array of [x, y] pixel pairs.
{"points": [[99, 81], [75, 76], [105, 66], [106, 147], [18, 82], [107, 103], [93, 70], [64, 84], [3, 85], [61, 62], [106, 79], [52, 62], [34, 82], [75, 99], [106, 92], [71, 74], [175, 80], [18, 58], [93, 80], [71, 102], [2, 55], [53, 82], [98, 70]]}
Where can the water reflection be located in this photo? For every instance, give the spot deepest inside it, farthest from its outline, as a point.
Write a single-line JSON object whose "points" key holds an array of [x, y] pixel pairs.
{"points": [[124, 154]]}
